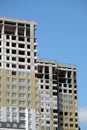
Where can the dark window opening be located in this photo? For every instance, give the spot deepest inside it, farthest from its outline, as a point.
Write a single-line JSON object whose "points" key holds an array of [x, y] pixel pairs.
{"points": [[28, 67], [55, 93], [7, 65], [9, 30], [54, 71], [21, 38], [35, 47], [66, 125], [76, 114], [13, 37], [28, 60], [54, 77], [71, 125], [28, 39], [69, 81], [34, 40], [61, 113], [55, 123], [70, 86], [27, 25], [28, 46], [54, 88], [13, 72], [76, 125], [20, 31], [7, 37], [10, 23], [74, 80], [40, 69], [7, 51], [47, 87], [47, 81], [28, 32], [22, 66], [42, 110], [70, 91], [13, 51], [35, 53], [60, 85], [46, 69], [75, 91], [71, 119], [54, 82], [0, 21], [66, 113], [75, 86], [55, 117], [60, 90], [7, 43], [62, 80], [74, 75], [21, 24], [62, 73], [13, 65], [21, 59], [65, 91], [41, 81], [47, 122], [55, 111], [13, 58], [75, 97], [7, 58], [28, 53], [21, 53], [13, 44], [41, 86], [46, 76], [21, 45], [76, 120], [69, 74], [65, 85]]}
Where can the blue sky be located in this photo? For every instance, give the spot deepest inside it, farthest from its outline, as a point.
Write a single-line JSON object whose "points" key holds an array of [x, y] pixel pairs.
{"points": [[61, 35]]}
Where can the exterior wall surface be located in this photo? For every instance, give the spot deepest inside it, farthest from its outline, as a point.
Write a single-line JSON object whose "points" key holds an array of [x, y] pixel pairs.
{"points": [[35, 94]]}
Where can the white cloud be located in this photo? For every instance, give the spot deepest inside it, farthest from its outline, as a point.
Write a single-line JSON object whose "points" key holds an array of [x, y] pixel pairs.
{"points": [[82, 114]]}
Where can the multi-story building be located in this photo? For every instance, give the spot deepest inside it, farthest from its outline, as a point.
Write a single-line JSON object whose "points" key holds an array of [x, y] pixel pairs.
{"points": [[35, 94], [67, 97]]}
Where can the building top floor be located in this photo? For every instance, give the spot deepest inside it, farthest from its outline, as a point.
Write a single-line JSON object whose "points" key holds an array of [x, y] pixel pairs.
{"points": [[13, 21]]}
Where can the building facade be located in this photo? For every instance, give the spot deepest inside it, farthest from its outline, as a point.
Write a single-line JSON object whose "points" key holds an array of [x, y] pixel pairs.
{"points": [[35, 94]]}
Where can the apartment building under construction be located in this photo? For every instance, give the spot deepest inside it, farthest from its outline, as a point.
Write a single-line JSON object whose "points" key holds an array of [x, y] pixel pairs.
{"points": [[35, 94]]}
